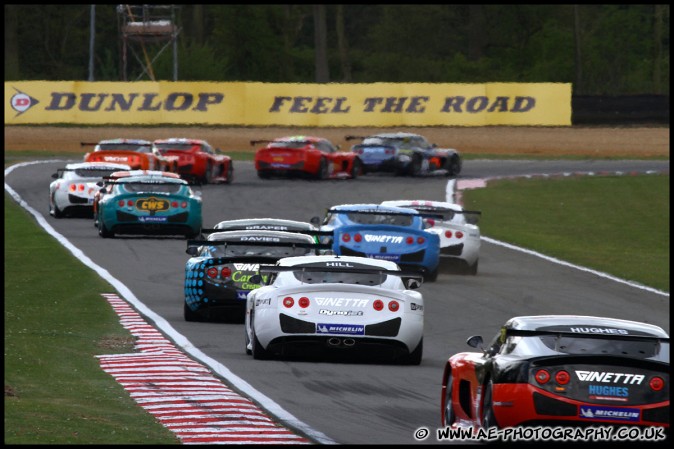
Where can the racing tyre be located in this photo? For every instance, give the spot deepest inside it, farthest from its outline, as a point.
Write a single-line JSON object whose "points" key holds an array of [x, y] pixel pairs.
{"points": [[323, 170], [208, 175], [229, 175], [452, 166], [356, 169], [432, 276], [415, 166], [450, 416], [259, 353], [414, 358], [263, 175], [55, 211], [472, 269], [188, 314], [103, 231], [487, 412]]}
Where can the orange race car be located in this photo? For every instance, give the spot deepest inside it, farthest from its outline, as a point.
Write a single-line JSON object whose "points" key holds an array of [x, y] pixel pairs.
{"points": [[136, 153]]}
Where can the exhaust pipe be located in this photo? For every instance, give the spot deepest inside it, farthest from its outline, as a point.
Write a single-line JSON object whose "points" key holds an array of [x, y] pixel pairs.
{"points": [[334, 341], [339, 342], [349, 342]]}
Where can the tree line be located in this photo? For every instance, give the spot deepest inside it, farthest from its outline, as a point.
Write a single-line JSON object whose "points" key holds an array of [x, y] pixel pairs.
{"points": [[600, 49]]}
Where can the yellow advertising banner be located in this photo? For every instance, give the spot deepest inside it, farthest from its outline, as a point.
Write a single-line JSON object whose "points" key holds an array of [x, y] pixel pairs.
{"points": [[279, 104]]}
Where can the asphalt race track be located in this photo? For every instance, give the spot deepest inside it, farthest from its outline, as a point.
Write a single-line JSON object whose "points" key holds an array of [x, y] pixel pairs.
{"points": [[354, 402]]}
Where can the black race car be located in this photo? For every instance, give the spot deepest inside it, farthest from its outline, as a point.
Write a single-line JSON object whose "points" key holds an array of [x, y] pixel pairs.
{"points": [[560, 370]]}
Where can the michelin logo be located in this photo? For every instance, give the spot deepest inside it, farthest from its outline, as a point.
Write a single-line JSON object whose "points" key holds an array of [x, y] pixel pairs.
{"points": [[348, 329], [616, 414]]}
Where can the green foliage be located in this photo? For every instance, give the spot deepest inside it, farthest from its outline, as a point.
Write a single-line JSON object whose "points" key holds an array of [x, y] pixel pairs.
{"points": [[56, 323], [623, 49]]}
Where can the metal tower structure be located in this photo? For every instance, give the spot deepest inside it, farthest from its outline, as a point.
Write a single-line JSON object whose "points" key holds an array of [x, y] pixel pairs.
{"points": [[147, 30]]}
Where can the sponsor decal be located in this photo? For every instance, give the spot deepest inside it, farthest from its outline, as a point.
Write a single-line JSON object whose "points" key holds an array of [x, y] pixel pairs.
{"points": [[247, 266], [599, 330], [267, 227], [340, 312], [339, 264], [392, 257], [242, 294], [415, 306], [152, 204], [382, 238], [348, 329], [259, 239], [92, 102], [115, 158], [340, 302], [612, 413], [153, 219], [21, 102], [607, 377], [263, 301], [608, 393]]}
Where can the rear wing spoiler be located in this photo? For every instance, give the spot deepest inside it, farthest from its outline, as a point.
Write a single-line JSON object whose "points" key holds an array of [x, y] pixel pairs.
{"points": [[259, 141], [88, 144], [350, 137], [565, 333], [384, 212], [193, 245], [407, 276], [315, 233]]}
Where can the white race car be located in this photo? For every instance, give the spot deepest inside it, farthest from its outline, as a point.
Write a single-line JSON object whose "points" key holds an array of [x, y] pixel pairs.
{"points": [[457, 228], [74, 186], [336, 303]]}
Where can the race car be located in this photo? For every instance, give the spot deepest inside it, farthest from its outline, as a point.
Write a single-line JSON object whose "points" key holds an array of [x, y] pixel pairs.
{"points": [[150, 205], [405, 154], [560, 370], [218, 275], [304, 156], [456, 227], [197, 160], [136, 153], [107, 184], [383, 232], [74, 187], [336, 303]]}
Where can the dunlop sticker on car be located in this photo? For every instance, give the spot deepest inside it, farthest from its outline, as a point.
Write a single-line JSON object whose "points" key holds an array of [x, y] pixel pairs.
{"points": [[152, 204]]}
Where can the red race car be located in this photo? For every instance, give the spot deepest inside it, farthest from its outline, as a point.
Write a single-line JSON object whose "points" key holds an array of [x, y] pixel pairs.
{"points": [[136, 153], [198, 161], [560, 370], [305, 156]]}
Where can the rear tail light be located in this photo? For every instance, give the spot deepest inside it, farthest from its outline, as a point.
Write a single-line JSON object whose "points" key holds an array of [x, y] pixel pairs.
{"points": [[174, 204], [304, 302], [409, 240], [129, 203], [288, 302], [121, 203], [378, 304], [420, 240], [212, 272], [393, 306], [183, 204], [225, 272], [389, 151], [346, 238], [77, 187], [430, 222], [562, 377], [448, 234], [656, 383], [357, 238], [459, 234], [542, 376]]}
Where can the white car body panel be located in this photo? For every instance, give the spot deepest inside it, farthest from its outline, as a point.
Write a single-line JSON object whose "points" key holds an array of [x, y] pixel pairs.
{"points": [[339, 311], [449, 242], [62, 198]]}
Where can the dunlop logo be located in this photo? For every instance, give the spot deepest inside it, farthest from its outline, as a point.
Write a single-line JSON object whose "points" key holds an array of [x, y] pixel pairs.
{"points": [[152, 204]]}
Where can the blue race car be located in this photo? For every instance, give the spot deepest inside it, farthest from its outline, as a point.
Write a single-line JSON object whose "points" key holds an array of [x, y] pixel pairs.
{"points": [[383, 232], [405, 154], [150, 204], [218, 275]]}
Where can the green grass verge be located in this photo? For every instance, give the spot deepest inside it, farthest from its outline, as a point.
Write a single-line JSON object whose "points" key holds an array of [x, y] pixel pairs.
{"points": [[615, 224], [56, 322]]}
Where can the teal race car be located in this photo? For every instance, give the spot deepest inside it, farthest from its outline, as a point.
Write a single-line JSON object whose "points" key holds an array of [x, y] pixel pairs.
{"points": [[150, 205]]}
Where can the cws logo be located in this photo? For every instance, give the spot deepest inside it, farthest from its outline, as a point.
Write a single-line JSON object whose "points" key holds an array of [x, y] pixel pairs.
{"points": [[152, 204], [22, 102]]}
